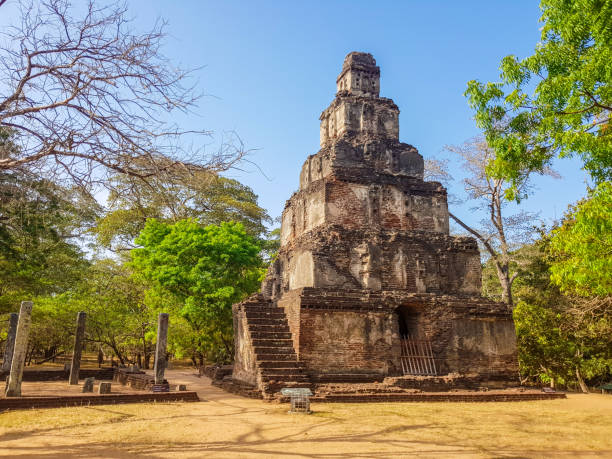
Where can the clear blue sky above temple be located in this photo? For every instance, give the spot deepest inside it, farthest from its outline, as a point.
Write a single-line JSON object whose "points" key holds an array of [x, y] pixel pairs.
{"points": [[269, 69]]}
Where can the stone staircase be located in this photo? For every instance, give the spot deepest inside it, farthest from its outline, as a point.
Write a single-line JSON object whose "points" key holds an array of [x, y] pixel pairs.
{"points": [[275, 357]]}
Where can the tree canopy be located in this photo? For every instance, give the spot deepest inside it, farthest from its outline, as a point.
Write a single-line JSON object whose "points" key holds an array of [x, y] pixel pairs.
{"points": [[582, 246], [202, 270], [557, 102], [205, 196]]}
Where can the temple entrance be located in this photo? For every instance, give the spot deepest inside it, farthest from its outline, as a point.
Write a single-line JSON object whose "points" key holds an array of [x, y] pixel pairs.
{"points": [[416, 354]]}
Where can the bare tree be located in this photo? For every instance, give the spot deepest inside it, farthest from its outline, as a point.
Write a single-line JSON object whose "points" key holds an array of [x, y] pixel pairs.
{"points": [[500, 234], [84, 97]]}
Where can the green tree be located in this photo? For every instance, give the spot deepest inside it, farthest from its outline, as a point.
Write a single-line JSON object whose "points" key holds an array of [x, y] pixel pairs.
{"points": [[561, 339], [582, 246], [41, 225], [207, 197], [204, 269], [566, 110]]}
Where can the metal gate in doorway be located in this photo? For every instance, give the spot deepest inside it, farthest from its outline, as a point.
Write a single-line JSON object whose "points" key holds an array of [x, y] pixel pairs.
{"points": [[417, 357]]}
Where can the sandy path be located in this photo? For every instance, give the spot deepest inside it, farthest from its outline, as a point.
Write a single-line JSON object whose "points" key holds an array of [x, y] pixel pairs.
{"points": [[228, 426]]}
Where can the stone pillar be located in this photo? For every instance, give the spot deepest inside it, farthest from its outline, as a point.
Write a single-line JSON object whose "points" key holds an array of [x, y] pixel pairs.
{"points": [[78, 349], [160, 347], [88, 385], [13, 386], [10, 343]]}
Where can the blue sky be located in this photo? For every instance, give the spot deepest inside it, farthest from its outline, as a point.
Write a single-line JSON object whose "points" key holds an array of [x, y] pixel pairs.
{"points": [[269, 69]]}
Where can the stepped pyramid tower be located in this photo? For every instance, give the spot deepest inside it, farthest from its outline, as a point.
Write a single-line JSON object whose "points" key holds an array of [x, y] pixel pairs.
{"points": [[368, 283]]}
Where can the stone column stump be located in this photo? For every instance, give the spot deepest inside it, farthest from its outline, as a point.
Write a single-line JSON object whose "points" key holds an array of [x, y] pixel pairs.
{"points": [[13, 386], [104, 388], [78, 349], [160, 354], [10, 343], [88, 385]]}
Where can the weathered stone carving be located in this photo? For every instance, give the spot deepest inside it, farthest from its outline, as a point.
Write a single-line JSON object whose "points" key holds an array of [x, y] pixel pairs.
{"points": [[79, 336], [159, 368], [366, 259], [20, 348], [88, 385], [10, 342]]}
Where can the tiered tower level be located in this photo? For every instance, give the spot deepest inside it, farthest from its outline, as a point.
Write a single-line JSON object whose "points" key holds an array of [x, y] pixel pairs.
{"points": [[366, 257]]}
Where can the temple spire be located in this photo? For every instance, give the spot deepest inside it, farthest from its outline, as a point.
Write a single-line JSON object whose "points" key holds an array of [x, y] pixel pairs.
{"points": [[360, 76]]}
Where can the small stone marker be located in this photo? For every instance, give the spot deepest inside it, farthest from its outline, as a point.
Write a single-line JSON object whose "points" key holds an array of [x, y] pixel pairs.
{"points": [[13, 386], [10, 343], [88, 385], [78, 349], [104, 388], [160, 347]]}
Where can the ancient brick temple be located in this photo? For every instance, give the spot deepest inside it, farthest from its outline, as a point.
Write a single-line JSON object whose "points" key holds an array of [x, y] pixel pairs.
{"points": [[368, 282]]}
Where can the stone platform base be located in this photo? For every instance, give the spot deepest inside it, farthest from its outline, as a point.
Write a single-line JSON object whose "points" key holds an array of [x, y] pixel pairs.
{"points": [[453, 381], [238, 388], [459, 396], [391, 390], [20, 403]]}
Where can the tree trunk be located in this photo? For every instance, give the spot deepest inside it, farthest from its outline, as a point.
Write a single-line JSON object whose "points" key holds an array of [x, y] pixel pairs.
{"points": [[118, 353], [49, 358], [100, 357], [506, 285], [583, 387]]}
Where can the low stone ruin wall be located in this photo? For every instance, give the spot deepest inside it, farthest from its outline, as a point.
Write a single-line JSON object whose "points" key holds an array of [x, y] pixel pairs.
{"points": [[453, 381], [20, 403], [217, 372], [135, 379], [61, 374]]}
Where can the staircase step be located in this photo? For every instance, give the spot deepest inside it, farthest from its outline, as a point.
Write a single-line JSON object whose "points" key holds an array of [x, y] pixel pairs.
{"points": [[283, 342], [277, 315], [269, 328], [270, 335], [264, 350], [279, 357], [266, 321], [271, 373], [273, 388], [282, 378], [278, 364]]}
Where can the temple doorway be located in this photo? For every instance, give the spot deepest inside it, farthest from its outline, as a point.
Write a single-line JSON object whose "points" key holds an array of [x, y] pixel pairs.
{"points": [[416, 355]]}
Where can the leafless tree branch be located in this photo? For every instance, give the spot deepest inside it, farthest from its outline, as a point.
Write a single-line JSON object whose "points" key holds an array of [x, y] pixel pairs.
{"points": [[85, 98]]}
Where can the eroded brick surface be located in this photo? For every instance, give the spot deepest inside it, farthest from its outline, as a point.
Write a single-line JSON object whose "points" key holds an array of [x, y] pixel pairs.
{"points": [[366, 258]]}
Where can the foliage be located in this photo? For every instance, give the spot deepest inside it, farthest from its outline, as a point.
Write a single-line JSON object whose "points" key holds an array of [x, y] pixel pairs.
{"points": [[40, 226], [117, 318], [560, 338], [566, 110], [205, 269], [582, 246], [207, 197], [500, 232]]}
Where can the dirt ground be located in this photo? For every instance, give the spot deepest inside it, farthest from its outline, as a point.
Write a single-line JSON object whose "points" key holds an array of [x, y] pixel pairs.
{"points": [[228, 426]]}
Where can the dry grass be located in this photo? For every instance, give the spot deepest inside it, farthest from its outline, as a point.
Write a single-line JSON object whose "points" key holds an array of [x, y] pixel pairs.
{"points": [[228, 426]]}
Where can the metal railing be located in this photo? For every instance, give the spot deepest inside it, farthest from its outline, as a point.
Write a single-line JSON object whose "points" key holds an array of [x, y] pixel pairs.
{"points": [[417, 357]]}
